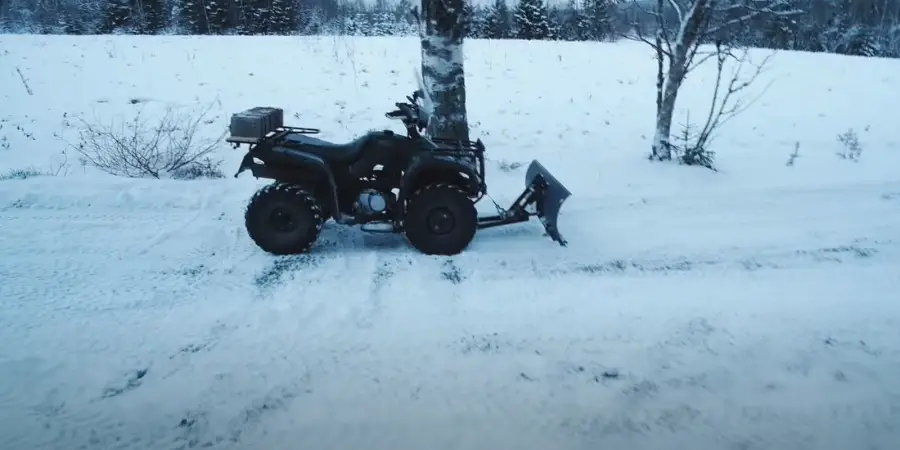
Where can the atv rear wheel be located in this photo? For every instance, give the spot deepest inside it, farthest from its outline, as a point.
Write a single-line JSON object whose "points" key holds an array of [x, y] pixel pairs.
{"points": [[283, 219], [440, 220]]}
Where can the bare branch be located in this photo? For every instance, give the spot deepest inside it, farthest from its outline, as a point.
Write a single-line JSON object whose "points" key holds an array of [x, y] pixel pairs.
{"points": [[24, 81], [638, 36], [661, 41], [660, 73], [662, 31], [677, 9], [723, 110], [170, 147], [698, 62]]}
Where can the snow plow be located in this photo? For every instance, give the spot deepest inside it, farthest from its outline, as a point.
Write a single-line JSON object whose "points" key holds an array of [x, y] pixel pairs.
{"points": [[544, 193], [425, 188]]}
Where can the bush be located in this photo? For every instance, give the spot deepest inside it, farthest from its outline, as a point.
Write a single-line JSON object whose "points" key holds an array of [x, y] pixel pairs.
{"points": [[207, 168], [21, 174], [61, 168], [169, 148], [690, 147], [852, 149]]}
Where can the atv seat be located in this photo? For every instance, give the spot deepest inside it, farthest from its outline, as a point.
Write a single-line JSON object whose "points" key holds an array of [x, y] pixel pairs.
{"points": [[326, 150]]}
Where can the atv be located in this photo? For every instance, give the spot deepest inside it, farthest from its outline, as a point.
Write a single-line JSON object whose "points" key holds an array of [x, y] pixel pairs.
{"points": [[421, 186]]}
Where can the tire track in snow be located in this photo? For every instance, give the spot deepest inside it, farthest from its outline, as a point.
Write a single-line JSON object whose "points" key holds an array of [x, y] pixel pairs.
{"points": [[329, 303], [218, 424], [858, 250], [96, 271], [862, 250], [167, 233], [754, 230], [297, 306], [382, 269], [292, 311]]}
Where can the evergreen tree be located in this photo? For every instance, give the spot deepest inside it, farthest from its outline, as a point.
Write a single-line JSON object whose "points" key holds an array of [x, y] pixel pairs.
{"points": [[74, 17], [283, 17], [260, 16], [569, 28], [117, 16], [403, 18], [531, 20], [468, 18], [859, 27], [595, 20], [154, 16], [564, 21], [192, 16], [477, 24], [498, 23], [403, 11], [382, 23], [216, 15]]}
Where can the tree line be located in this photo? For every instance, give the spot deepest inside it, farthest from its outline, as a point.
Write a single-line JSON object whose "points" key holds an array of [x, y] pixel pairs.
{"points": [[855, 27]]}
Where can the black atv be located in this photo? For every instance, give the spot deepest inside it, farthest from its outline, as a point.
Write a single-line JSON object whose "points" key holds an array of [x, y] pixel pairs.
{"points": [[421, 186]]}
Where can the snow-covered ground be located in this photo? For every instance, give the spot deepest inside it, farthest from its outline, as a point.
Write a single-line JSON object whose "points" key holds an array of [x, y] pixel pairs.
{"points": [[753, 308]]}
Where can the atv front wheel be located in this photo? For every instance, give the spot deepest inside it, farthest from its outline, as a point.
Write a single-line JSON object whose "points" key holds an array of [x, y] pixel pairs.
{"points": [[283, 219], [440, 220]]}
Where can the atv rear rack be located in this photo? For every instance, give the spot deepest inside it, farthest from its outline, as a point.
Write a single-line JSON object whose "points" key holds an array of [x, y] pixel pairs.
{"points": [[278, 133]]}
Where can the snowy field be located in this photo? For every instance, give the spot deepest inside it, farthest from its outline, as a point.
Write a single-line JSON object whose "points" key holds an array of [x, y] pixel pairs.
{"points": [[753, 308]]}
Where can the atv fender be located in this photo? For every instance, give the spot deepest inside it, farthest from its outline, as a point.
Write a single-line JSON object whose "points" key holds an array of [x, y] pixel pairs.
{"points": [[297, 167], [429, 170]]}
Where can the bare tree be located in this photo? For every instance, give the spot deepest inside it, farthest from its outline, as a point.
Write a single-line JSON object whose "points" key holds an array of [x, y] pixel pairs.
{"points": [[441, 28], [726, 103], [677, 49], [172, 147]]}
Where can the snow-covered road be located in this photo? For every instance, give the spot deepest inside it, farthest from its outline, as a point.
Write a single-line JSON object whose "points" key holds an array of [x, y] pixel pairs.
{"points": [[136, 316]]}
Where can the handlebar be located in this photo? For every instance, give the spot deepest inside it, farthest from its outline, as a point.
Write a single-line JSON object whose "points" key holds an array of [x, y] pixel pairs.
{"points": [[410, 110], [405, 112], [409, 114]]}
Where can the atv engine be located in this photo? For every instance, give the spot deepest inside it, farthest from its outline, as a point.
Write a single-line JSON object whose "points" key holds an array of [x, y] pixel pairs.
{"points": [[372, 202]]}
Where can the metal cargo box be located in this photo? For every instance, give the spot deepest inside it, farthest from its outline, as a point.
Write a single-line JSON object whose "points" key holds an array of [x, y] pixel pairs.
{"points": [[256, 123]]}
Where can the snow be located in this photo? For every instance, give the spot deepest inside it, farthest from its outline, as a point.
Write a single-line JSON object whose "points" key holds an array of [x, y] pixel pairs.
{"points": [[756, 307]]}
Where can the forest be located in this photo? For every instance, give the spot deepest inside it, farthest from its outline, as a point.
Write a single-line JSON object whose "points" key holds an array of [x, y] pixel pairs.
{"points": [[853, 27]]}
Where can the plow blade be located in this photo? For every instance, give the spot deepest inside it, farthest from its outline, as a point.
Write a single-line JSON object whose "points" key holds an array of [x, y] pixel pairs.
{"points": [[548, 195], [544, 192]]}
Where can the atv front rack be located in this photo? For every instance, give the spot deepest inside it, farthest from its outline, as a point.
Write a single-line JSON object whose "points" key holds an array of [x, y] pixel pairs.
{"points": [[470, 153]]}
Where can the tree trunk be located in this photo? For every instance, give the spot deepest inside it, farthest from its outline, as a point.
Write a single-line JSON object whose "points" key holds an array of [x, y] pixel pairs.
{"points": [[442, 67], [662, 149], [691, 28]]}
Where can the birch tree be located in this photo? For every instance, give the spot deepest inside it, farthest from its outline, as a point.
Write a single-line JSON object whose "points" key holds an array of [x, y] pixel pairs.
{"points": [[676, 47], [441, 29]]}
